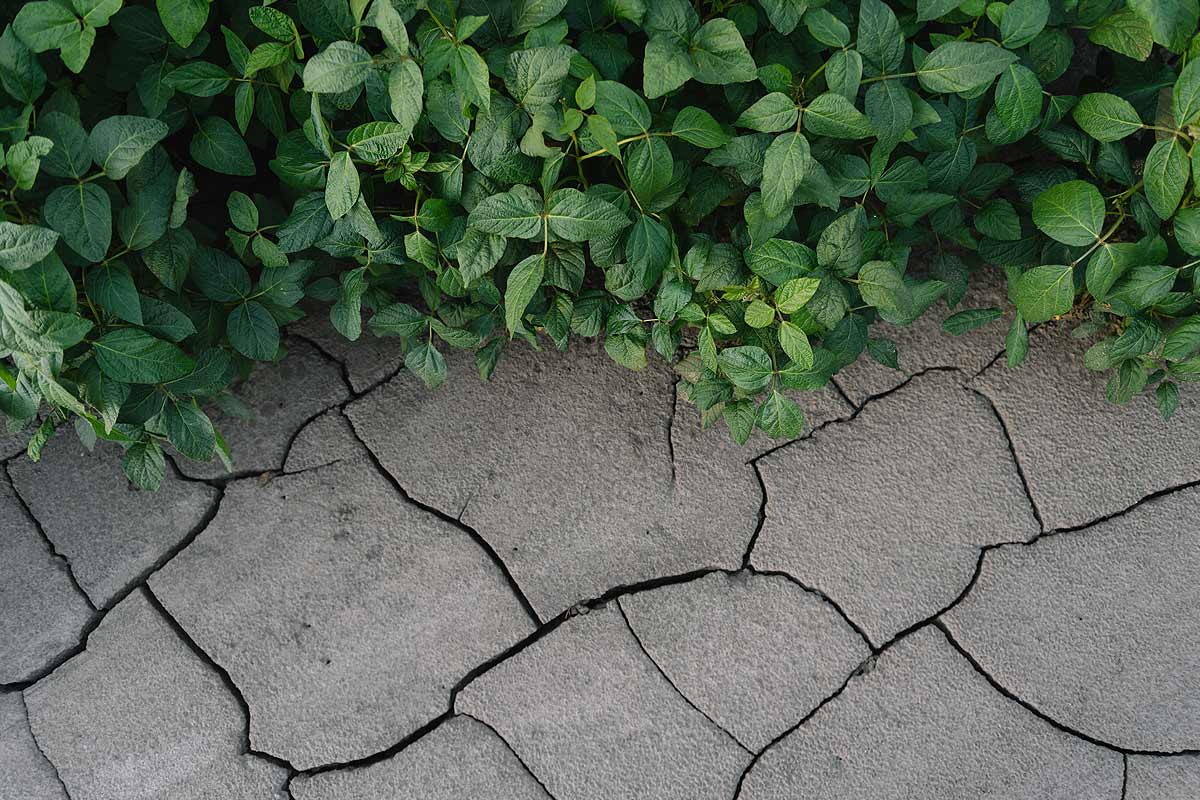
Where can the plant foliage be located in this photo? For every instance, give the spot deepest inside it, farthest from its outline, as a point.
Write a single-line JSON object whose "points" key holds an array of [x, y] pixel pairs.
{"points": [[746, 181]]}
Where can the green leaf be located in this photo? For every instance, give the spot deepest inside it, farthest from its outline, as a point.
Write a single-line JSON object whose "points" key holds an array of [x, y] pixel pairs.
{"points": [[880, 40], [129, 355], [889, 110], [111, 286], [1106, 117], [1016, 342], [279, 26], [535, 76], [1143, 286], [739, 415], [342, 186], [70, 157], [585, 93], [470, 75], [220, 277], [252, 331], [963, 66], [1107, 264], [190, 430], [758, 314], [22, 246], [427, 363], [340, 67], [719, 54], [826, 28], [242, 212], [218, 146], [406, 88], [1187, 230], [165, 320], [1183, 340], [529, 14], [884, 351], [266, 56], [784, 166], [970, 319], [1124, 32], [795, 343], [1172, 22], [932, 9], [20, 73], [308, 223], [82, 215], [145, 465], [771, 114], [784, 15], [523, 283], [1166, 396], [1071, 213], [747, 367], [119, 143], [623, 108], [1023, 20], [25, 158], [1185, 97], [46, 285], [183, 19], [170, 257], [515, 214], [881, 285], [791, 296], [779, 417], [1166, 176], [198, 78], [696, 126], [1044, 292], [1018, 104], [666, 66], [840, 246], [998, 219], [834, 116], [576, 217], [45, 25], [649, 167], [778, 261], [398, 319]]}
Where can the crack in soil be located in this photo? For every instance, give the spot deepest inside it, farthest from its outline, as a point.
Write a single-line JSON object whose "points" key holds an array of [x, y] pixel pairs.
{"points": [[513, 750], [544, 628], [54, 551], [1030, 707], [483, 543], [38, 745], [223, 673], [667, 678]]}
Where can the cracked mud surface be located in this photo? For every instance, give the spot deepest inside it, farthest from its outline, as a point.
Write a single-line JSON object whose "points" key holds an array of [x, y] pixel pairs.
{"points": [[964, 581]]}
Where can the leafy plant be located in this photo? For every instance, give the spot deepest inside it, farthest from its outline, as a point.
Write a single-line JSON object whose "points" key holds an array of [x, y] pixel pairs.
{"points": [[745, 182]]}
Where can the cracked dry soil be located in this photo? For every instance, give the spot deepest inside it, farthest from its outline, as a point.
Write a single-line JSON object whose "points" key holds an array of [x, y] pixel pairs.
{"points": [[963, 581]]}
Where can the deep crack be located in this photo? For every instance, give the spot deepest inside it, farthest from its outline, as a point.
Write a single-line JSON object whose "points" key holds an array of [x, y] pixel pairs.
{"points": [[38, 745], [447, 518], [854, 626], [966, 654], [642, 646], [861, 669], [1012, 450], [54, 551], [223, 673], [516, 755]]}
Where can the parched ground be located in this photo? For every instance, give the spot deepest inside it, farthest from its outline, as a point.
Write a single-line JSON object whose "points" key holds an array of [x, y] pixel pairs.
{"points": [[964, 582]]}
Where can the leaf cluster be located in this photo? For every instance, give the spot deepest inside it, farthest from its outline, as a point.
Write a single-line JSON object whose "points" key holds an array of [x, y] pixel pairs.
{"points": [[741, 188]]}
